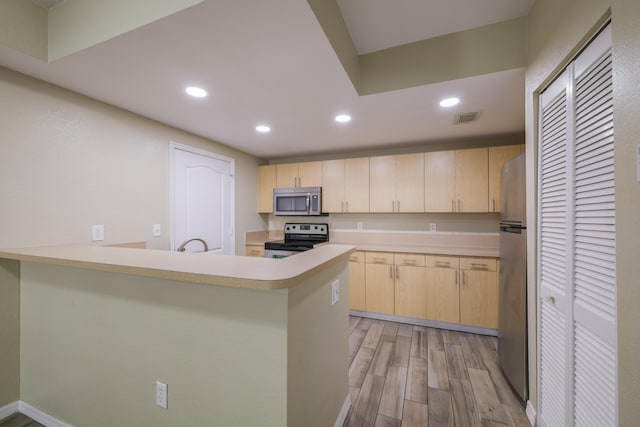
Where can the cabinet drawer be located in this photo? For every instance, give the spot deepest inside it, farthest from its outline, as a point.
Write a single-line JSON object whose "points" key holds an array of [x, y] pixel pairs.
{"points": [[357, 256], [437, 261], [417, 260], [379, 257], [483, 264], [254, 250]]}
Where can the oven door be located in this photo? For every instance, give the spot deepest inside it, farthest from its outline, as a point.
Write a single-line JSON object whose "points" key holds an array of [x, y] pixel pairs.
{"points": [[279, 253]]}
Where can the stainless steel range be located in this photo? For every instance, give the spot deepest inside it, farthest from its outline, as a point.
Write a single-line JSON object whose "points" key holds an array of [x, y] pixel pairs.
{"points": [[298, 237]]}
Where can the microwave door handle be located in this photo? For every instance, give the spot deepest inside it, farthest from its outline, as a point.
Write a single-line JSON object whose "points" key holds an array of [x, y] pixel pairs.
{"points": [[308, 204]]}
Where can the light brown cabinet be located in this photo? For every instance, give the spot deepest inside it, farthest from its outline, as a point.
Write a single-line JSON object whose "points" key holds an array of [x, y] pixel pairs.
{"points": [[443, 292], [410, 285], [345, 185], [379, 278], [254, 250], [307, 174], [357, 291], [440, 181], [397, 183], [456, 181], [478, 292], [497, 158], [266, 184], [472, 180]]}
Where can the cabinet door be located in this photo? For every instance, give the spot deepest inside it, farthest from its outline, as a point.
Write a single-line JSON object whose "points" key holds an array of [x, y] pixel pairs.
{"points": [[497, 157], [357, 289], [254, 250], [443, 295], [410, 182], [310, 174], [333, 185], [287, 175], [266, 183], [382, 173], [472, 180], [411, 291], [479, 298], [439, 181], [379, 288], [356, 185]]}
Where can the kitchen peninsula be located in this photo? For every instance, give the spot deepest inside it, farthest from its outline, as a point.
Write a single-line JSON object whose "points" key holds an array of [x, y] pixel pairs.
{"points": [[238, 340]]}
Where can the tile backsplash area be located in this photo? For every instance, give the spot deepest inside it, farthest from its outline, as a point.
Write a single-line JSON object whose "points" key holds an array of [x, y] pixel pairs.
{"points": [[444, 222]]}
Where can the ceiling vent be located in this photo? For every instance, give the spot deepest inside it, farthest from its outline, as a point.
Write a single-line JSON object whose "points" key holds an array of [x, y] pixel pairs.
{"points": [[465, 117]]}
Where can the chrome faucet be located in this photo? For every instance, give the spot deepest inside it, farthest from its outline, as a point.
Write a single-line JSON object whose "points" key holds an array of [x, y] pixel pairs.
{"points": [[181, 248]]}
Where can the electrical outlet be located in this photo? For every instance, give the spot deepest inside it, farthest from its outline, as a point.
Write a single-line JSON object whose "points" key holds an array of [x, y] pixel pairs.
{"points": [[359, 226], [157, 230], [161, 395], [335, 292], [97, 233], [432, 228]]}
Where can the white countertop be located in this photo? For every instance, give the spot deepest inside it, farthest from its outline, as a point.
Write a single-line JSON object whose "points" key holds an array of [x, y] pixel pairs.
{"points": [[223, 270]]}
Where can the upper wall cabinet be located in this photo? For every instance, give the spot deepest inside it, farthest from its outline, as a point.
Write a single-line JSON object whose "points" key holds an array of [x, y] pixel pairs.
{"points": [[266, 184], [497, 158], [308, 174], [345, 185], [456, 181], [440, 181], [397, 183]]}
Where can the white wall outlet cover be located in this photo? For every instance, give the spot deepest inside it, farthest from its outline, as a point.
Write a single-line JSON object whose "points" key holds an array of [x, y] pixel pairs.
{"points": [[335, 292], [432, 227], [157, 230], [359, 226], [161, 395], [97, 233]]}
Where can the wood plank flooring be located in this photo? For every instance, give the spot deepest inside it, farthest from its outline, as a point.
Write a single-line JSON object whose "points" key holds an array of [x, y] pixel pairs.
{"points": [[404, 376], [19, 420]]}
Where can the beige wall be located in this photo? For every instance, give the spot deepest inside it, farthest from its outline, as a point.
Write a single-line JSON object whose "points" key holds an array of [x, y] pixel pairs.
{"points": [[67, 162], [23, 26], [556, 30], [93, 345], [9, 331], [78, 24]]}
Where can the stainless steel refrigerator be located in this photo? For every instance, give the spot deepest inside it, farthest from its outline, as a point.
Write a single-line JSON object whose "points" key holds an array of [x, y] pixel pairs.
{"points": [[512, 326]]}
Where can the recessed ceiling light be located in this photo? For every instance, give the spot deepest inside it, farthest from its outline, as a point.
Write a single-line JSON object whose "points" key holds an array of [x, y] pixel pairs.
{"points": [[343, 118], [196, 92], [449, 102], [263, 128]]}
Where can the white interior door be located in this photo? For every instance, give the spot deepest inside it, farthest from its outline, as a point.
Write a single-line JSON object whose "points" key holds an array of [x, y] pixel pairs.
{"points": [[202, 195]]}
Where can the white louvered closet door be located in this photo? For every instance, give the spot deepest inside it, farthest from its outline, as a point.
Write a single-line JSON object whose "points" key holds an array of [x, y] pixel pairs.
{"points": [[577, 336]]}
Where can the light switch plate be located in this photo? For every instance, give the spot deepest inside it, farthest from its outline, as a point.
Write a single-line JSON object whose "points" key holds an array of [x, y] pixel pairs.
{"points": [[97, 233]]}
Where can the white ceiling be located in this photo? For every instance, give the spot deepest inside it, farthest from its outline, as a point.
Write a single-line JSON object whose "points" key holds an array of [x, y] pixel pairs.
{"points": [[270, 62]]}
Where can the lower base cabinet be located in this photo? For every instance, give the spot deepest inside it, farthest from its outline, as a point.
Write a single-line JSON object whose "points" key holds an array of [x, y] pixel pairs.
{"points": [[357, 291], [452, 289]]}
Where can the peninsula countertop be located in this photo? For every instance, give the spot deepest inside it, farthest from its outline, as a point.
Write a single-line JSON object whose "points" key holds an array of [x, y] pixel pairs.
{"points": [[222, 270]]}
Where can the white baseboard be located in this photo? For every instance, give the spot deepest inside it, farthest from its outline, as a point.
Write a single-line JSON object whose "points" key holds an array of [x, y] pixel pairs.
{"points": [[9, 409], [342, 416], [531, 413], [39, 416]]}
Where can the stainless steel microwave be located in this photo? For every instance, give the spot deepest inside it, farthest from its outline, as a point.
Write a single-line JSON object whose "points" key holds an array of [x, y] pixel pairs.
{"points": [[297, 201]]}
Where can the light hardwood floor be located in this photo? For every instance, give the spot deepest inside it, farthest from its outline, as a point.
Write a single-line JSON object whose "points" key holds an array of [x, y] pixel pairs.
{"points": [[405, 375]]}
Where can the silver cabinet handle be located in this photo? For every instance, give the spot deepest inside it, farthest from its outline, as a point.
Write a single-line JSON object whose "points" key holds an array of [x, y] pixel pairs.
{"points": [[462, 272], [342, 206], [456, 274], [493, 205], [346, 204], [398, 208], [479, 266], [459, 210], [397, 272], [453, 206], [390, 272]]}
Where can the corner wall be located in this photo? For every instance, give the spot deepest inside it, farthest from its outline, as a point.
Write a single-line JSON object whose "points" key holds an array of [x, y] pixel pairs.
{"points": [[67, 162], [9, 332], [556, 30]]}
